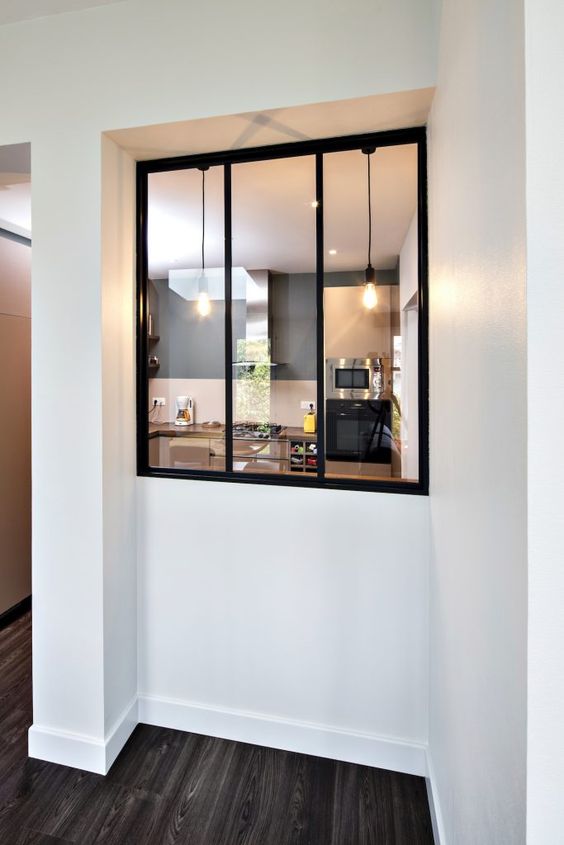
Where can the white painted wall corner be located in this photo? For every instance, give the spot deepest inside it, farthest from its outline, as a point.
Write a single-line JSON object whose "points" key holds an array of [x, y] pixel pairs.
{"points": [[434, 804], [80, 751]]}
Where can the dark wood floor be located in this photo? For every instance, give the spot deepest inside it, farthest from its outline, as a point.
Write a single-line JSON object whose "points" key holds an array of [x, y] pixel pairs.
{"points": [[170, 787]]}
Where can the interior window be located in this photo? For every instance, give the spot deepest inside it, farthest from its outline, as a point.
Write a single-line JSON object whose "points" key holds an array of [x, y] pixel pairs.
{"points": [[281, 321]]}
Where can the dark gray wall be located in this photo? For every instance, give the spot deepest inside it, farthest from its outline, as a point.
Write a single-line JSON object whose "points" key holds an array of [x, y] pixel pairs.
{"points": [[350, 279], [293, 315], [191, 347]]}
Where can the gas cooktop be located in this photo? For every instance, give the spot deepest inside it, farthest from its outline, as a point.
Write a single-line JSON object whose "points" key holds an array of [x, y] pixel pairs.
{"points": [[253, 431]]}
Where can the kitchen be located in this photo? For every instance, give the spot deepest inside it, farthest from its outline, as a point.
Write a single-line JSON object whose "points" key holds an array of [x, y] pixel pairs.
{"points": [[365, 375]]}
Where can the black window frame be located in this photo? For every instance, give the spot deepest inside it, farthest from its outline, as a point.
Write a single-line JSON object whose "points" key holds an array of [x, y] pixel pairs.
{"points": [[315, 148]]}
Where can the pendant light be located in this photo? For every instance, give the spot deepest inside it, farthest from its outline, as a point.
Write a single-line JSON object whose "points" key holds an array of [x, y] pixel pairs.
{"points": [[204, 305], [369, 296]]}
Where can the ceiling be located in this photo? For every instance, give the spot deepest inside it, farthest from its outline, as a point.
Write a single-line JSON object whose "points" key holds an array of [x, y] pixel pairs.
{"points": [[274, 126], [273, 220], [15, 189], [12, 11]]}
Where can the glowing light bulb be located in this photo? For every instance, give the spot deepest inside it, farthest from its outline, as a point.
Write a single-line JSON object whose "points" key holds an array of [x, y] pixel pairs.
{"points": [[370, 297], [204, 304]]}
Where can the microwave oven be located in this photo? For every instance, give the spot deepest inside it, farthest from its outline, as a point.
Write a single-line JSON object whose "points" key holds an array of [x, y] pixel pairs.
{"points": [[358, 378]]}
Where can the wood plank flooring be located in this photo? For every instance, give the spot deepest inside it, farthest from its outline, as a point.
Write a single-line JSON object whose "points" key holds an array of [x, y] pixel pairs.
{"points": [[173, 788]]}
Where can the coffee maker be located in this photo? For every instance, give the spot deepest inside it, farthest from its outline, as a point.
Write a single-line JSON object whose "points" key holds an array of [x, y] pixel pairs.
{"points": [[184, 410]]}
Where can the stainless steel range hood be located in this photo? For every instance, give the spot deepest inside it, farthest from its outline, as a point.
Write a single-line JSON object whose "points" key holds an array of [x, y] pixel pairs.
{"points": [[250, 350]]}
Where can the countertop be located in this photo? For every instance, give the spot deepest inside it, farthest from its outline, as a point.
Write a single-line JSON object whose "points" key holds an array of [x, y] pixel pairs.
{"points": [[169, 429], [291, 433]]}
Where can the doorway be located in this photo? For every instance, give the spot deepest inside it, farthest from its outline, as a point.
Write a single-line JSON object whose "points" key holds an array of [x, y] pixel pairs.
{"points": [[15, 380]]}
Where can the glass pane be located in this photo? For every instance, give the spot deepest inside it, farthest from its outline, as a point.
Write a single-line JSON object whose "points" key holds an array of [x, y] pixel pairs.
{"points": [[186, 320], [274, 317], [371, 316]]}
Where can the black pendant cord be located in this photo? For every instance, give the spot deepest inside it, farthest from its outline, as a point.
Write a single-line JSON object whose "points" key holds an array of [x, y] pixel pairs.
{"points": [[203, 215], [369, 212]]}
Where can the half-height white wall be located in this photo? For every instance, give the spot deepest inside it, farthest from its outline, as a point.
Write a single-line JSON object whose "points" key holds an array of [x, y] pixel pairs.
{"points": [[304, 607], [478, 424]]}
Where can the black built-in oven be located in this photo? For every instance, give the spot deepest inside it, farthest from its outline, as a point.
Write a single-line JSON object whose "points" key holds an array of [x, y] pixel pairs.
{"points": [[359, 430]]}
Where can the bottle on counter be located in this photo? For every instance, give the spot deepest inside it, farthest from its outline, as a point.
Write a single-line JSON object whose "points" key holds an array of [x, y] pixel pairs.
{"points": [[310, 421]]}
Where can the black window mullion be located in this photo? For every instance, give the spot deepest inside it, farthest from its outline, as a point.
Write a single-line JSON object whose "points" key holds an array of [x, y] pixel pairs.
{"points": [[228, 261], [320, 271], [423, 325], [142, 312]]}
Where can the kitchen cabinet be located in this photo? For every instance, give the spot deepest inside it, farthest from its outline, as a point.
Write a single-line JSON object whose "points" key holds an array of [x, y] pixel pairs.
{"points": [[154, 452], [195, 447], [189, 452]]}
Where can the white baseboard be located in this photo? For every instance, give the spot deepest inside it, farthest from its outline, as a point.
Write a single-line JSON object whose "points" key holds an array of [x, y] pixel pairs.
{"points": [[288, 735], [120, 732], [434, 804], [93, 755], [83, 752]]}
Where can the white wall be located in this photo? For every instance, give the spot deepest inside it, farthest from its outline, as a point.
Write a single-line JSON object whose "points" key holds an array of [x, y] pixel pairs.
{"points": [[478, 425], [545, 304], [118, 406], [409, 285], [67, 542], [302, 606], [409, 264], [78, 75]]}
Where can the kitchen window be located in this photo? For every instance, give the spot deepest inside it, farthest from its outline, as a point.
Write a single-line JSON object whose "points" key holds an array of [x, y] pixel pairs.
{"points": [[282, 323]]}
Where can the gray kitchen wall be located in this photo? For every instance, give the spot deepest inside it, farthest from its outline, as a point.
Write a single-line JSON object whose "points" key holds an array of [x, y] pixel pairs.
{"points": [[15, 411], [293, 310], [190, 347]]}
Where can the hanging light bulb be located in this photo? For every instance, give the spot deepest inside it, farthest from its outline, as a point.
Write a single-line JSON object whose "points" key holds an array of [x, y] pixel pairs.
{"points": [[369, 294], [370, 297], [203, 305]]}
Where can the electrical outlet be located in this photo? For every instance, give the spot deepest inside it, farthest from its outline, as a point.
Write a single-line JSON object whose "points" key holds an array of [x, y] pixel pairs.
{"points": [[305, 403], [158, 401]]}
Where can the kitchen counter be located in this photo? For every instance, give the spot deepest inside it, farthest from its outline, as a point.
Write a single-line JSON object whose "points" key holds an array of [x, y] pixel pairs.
{"points": [[296, 433], [169, 429]]}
